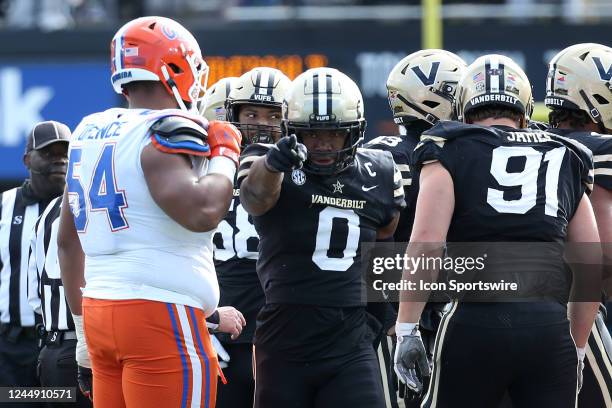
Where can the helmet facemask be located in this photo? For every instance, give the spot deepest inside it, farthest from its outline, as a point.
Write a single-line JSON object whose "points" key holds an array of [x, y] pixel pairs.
{"points": [[341, 158], [253, 132], [197, 90]]}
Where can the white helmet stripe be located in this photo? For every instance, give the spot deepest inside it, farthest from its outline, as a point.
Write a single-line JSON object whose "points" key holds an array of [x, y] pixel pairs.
{"points": [[119, 43], [494, 63], [262, 81], [322, 97]]}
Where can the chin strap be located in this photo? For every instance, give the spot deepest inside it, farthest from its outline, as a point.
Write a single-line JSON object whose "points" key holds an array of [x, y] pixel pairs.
{"points": [[174, 89]]}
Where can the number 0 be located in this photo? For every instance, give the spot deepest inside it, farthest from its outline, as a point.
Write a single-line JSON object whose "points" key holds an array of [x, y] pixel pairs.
{"points": [[324, 234]]}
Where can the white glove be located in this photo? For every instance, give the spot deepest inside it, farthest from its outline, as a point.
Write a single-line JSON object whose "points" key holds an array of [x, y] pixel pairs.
{"points": [[82, 355], [222, 354]]}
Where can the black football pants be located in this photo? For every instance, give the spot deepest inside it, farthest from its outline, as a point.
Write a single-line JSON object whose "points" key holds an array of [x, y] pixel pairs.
{"points": [[475, 366], [240, 387], [350, 381], [57, 367]]}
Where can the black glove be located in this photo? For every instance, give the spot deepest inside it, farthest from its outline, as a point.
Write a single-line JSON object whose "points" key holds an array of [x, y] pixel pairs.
{"points": [[85, 380], [286, 155]]}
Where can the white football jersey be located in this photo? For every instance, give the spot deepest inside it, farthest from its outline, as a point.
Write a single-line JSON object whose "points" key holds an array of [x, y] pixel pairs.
{"points": [[133, 249]]}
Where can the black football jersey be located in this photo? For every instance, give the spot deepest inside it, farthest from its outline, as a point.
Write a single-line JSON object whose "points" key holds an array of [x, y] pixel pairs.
{"points": [[402, 147], [310, 241], [235, 254], [601, 147], [510, 184]]}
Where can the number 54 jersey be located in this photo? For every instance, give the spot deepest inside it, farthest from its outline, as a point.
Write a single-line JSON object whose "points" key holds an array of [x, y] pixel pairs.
{"points": [[133, 249], [510, 184], [310, 241]]}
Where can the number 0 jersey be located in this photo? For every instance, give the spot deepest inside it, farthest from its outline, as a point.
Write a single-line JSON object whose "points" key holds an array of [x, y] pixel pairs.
{"points": [[310, 240], [133, 249], [510, 184]]}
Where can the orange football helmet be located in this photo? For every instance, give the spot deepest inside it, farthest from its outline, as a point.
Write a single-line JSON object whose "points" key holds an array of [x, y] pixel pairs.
{"points": [[160, 49]]}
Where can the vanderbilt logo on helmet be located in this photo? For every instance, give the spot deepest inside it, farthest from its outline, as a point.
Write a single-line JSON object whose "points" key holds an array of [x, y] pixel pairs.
{"points": [[554, 101], [431, 78], [263, 98], [422, 86], [493, 98], [604, 74]]}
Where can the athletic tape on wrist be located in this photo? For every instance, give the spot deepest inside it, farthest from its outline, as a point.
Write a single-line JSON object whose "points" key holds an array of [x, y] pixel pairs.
{"points": [[224, 166]]}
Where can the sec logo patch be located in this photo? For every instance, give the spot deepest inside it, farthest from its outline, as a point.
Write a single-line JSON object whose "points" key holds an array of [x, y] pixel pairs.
{"points": [[298, 177]]}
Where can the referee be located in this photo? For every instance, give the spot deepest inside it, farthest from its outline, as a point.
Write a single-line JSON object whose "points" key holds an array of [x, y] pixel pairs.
{"points": [[57, 366], [46, 160]]}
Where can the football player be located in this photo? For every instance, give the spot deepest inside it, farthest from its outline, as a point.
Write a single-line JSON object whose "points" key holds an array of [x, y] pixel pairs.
{"points": [[489, 181], [421, 90], [136, 224], [215, 98], [315, 197], [254, 106], [579, 94]]}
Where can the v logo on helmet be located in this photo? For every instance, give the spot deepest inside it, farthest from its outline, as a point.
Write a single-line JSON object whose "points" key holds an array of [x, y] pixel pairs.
{"points": [[604, 74], [429, 79]]}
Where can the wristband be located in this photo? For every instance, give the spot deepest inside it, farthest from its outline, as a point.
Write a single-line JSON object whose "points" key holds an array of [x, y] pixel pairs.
{"points": [[406, 329], [224, 166], [82, 355], [581, 351], [212, 321]]}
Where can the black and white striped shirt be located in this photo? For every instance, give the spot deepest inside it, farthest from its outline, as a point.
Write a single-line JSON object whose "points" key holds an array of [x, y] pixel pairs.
{"points": [[18, 214], [46, 292]]}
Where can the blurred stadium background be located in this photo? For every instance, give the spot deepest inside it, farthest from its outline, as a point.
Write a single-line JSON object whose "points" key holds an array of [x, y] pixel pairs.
{"points": [[54, 60]]}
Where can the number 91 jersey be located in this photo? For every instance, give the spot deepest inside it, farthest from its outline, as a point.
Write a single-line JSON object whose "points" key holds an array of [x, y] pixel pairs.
{"points": [[310, 241], [510, 184]]}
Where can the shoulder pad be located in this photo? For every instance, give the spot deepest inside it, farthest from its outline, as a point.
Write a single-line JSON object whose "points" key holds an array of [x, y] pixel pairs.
{"points": [[178, 125], [383, 142], [177, 134], [535, 125], [584, 154], [448, 130], [375, 154], [382, 159]]}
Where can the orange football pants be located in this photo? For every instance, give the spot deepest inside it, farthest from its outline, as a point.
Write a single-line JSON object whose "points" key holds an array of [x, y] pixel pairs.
{"points": [[149, 354]]}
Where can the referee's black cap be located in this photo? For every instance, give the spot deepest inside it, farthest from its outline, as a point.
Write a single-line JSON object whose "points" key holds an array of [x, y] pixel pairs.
{"points": [[45, 133]]}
